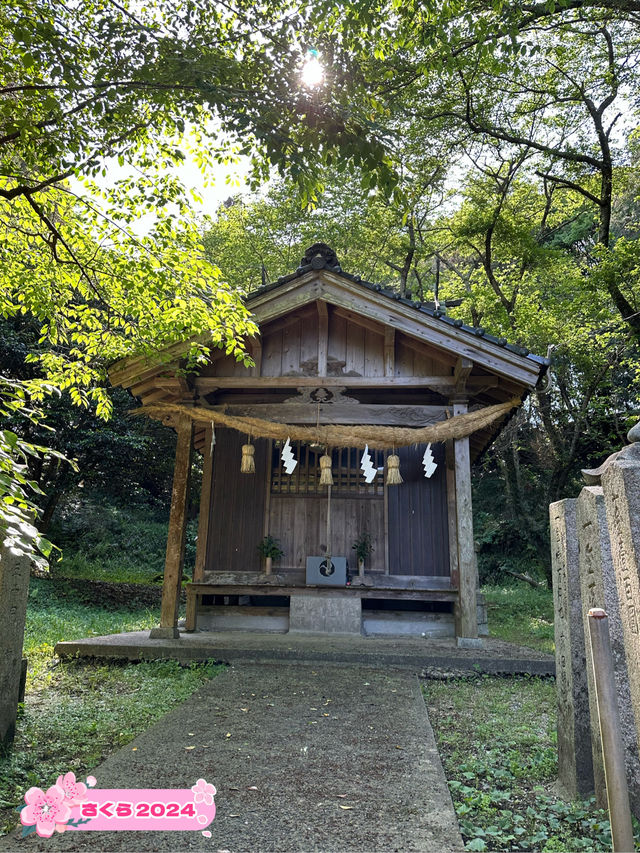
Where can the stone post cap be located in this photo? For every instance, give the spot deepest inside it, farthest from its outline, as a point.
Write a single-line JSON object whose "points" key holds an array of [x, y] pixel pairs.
{"points": [[593, 476], [597, 613]]}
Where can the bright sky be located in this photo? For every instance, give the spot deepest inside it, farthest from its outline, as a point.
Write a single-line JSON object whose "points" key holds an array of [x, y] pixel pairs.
{"points": [[223, 181]]}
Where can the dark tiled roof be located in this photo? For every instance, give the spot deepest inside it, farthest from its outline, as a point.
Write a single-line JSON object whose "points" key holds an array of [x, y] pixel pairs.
{"points": [[319, 261]]}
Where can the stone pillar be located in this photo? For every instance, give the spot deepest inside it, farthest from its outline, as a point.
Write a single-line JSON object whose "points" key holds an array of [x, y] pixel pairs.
{"points": [[575, 766], [174, 560], [598, 588], [14, 589], [621, 487]]}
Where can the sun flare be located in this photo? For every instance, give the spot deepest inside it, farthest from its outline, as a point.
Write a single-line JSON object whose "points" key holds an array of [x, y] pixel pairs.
{"points": [[312, 72]]}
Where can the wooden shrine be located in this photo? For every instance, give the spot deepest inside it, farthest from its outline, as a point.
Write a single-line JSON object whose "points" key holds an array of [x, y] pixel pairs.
{"points": [[342, 363]]}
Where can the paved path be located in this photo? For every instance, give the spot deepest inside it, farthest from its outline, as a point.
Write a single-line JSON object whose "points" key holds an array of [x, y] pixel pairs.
{"points": [[301, 735]]}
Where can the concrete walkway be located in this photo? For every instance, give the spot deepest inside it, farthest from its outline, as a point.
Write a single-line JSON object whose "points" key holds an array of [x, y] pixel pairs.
{"points": [[302, 735]]}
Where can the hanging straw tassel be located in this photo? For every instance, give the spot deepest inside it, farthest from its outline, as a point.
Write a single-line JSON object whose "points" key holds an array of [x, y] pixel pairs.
{"points": [[248, 464], [326, 478], [393, 471]]}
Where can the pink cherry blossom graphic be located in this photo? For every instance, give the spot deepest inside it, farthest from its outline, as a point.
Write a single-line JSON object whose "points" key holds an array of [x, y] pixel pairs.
{"points": [[74, 792], [206, 833], [202, 818], [203, 792], [91, 781], [45, 810]]}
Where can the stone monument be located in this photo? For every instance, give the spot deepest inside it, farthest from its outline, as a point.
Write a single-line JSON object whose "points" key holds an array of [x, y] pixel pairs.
{"points": [[14, 589], [621, 488], [599, 589], [575, 765]]}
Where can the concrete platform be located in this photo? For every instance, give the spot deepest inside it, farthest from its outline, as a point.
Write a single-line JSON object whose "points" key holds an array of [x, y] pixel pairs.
{"points": [[411, 653]]}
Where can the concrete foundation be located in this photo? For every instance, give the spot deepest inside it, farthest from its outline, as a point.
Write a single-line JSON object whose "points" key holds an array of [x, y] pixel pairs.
{"points": [[232, 618], [406, 623], [320, 613]]}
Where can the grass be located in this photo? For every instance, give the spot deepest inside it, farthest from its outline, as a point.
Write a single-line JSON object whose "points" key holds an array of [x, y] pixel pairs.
{"points": [[77, 712], [107, 541], [497, 741], [522, 615], [57, 612]]}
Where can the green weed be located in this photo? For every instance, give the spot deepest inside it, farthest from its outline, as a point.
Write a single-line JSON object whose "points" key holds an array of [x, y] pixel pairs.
{"points": [[497, 741], [58, 612], [108, 541], [521, 615]]}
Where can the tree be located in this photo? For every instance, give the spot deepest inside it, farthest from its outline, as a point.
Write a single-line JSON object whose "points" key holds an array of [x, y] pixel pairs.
{"points": [[552, 82], [88, 84]]}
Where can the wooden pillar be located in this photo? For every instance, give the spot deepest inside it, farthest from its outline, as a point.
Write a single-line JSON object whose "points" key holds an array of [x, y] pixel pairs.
{"points": [[174, 560], [467, 630], [452, 519], [203, 526]]}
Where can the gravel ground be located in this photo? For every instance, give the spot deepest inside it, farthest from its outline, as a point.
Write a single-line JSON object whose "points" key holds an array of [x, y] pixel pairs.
{"points": [[301, 736]]}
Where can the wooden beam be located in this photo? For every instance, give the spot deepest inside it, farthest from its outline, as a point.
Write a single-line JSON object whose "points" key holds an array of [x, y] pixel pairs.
{"points": [[161, 395], [359, 320], [174, 560], [297, 579], [168, 383], [440, 384], [389, 350], [461, 372], [467, 602], [338, 413], [323, 337]]}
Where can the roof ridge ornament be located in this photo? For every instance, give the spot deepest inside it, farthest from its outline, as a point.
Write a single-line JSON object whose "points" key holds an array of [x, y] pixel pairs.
{"points": [[319, 256]]}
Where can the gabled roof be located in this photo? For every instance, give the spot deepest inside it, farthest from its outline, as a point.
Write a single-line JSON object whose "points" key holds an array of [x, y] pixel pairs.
{"points": [[320, 256], [320, 278]]}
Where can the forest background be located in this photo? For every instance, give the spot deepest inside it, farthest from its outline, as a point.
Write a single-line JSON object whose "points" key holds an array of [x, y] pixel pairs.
{"points": [[483, 155]]}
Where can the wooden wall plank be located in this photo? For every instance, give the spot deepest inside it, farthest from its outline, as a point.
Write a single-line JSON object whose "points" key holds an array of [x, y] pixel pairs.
{"points": [[271, 354], [291, 349], [308, 339], [338, 338], [418, 519], [373, 354], [205, 504], [236, 520], [404, 359], [323, 337], [355, 349], [299, 522]]}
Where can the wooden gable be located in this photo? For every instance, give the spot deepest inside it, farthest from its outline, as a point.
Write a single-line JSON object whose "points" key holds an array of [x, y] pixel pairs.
{"points": [[323, 327]]}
